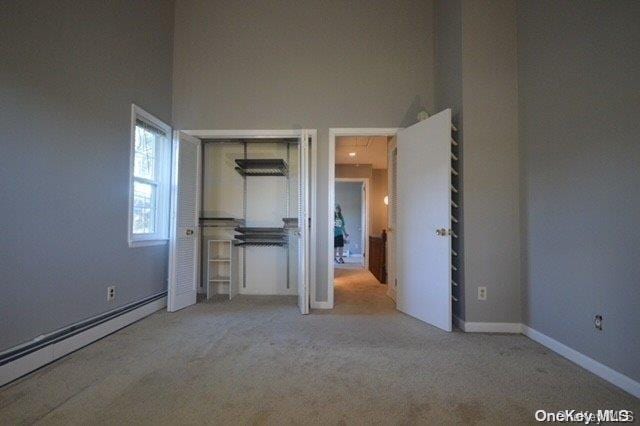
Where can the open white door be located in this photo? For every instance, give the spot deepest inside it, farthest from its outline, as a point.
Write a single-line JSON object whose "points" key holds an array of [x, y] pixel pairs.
{"points": [[184, 232], [303, 223], [424, 220]]}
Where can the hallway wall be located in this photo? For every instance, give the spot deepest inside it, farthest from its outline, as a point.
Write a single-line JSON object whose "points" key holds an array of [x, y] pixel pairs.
{"points": [[349, 196], [379, 210]]}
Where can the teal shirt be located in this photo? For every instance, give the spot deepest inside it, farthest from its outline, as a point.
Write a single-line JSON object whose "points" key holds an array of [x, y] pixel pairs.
{"points": [[338, 228]]}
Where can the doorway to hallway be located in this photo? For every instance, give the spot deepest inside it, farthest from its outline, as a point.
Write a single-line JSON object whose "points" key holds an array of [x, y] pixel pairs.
{"points": [[360, 216], [424, 201]]}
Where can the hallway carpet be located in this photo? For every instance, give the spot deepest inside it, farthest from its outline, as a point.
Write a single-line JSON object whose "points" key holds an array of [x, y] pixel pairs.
{"points": [[258, 361]]}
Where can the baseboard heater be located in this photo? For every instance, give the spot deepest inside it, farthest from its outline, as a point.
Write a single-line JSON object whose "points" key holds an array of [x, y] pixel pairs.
{"points": [[67, 332]]}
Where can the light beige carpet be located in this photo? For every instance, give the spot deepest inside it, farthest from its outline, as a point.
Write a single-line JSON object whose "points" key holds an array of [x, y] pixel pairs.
{"points": [[258, 361]]}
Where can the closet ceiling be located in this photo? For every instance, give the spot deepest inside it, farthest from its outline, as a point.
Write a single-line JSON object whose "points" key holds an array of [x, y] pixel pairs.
{"points": [[369, 150]]}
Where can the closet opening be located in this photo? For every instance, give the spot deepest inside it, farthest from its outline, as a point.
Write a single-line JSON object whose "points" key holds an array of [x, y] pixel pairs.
{"points": [[248, 195]]}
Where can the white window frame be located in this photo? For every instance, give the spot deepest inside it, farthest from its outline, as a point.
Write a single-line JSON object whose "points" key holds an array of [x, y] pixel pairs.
{"points": [[163, 173]]}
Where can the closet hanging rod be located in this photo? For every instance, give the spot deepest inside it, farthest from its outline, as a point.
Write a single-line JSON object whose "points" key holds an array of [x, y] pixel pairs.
{"points": [[220, 222]]}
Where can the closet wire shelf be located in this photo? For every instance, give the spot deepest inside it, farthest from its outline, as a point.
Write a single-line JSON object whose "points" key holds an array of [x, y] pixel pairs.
{"points": [[264, 237], [220, 222], [261, 243], [262, 167]]}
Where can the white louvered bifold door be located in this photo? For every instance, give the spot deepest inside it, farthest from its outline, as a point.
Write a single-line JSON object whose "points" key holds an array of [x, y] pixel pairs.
{"points": [[185, 209], [303, 223], [424, 220]]}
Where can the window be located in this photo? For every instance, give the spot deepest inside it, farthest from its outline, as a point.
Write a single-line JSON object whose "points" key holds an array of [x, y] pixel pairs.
{"points": [[150, 168]]}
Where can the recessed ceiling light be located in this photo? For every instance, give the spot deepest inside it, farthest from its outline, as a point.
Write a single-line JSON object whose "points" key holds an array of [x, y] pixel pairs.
{"points": [[352, 154]]}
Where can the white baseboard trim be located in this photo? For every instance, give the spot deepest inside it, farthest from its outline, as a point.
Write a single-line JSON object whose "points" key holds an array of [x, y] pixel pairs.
{"points": [[28, 363], [488, 327], [321, 305], [391, 292], [610, 375]]}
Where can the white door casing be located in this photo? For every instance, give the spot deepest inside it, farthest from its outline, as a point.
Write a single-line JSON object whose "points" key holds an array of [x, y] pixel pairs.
{"points": [[424, 220], [303, 223], [391, 218], [364, 216], [184, 232]]}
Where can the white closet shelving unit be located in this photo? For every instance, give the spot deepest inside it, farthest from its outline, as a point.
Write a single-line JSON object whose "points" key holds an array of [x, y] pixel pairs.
{"points": [[222, 261], [249, 189]]}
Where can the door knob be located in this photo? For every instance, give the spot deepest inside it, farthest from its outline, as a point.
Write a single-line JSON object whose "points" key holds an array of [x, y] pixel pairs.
{"points": [[189, 232], [441, 232]]}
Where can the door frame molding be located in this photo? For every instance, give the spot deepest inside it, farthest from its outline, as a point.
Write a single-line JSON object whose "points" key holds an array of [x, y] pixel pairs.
{"points": [[335, 132], [313, 172], [366, 206]]}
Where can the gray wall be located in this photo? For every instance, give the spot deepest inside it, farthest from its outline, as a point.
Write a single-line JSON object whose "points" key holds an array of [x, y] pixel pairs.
{"points": [[68, 75], [491, 162], [349, 196], [579, 87], [476, 76], [284, 64], [448, 94], [379, 210]]}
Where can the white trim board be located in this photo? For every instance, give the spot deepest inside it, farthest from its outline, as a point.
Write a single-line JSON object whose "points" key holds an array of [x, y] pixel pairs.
{"points": [[320, 305], [612, 376], [28, 363], [607, 373], [488, 327]]}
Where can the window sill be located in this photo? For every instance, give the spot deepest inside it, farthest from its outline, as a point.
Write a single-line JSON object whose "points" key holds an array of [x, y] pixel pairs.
{"points": [[147, 243]]}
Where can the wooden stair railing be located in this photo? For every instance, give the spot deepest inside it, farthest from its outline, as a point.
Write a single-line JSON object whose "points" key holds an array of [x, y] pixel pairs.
{"points": [[378, 257]]}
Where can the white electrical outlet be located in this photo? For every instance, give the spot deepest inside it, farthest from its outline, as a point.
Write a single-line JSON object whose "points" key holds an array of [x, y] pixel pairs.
{"points": [[111, 293], [482, 293]]}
